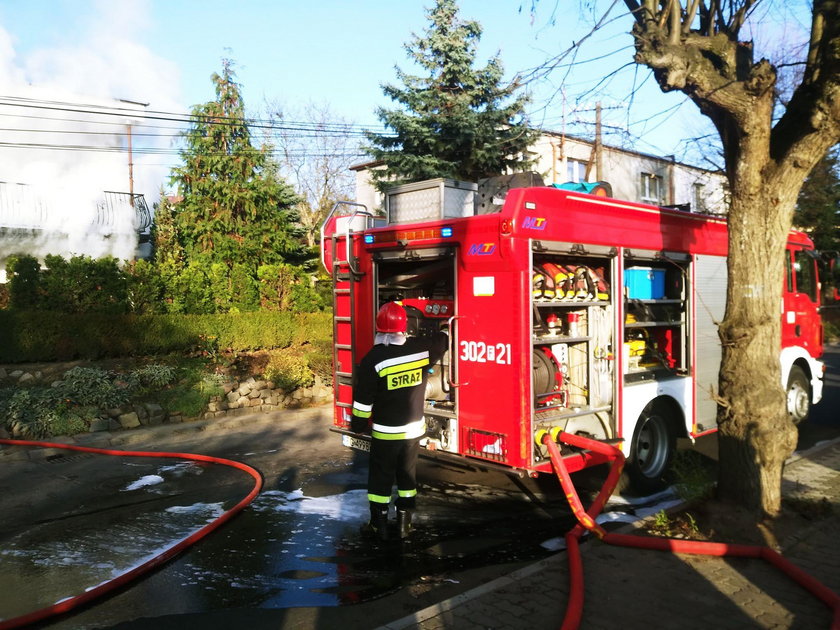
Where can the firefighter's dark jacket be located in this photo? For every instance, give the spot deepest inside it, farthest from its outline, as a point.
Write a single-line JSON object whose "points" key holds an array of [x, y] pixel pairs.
{"points": [[390, 386]]}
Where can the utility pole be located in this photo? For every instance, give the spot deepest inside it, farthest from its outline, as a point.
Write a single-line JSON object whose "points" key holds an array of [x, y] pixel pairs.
{"points": [[130, 167], [130, 154], [599, 172]]}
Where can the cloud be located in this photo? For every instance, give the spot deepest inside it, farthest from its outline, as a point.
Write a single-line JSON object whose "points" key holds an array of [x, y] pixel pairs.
{"points": [[105, 55], [63, 96]]}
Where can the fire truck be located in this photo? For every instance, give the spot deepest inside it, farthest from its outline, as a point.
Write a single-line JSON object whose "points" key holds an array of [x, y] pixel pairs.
{"points": [[566, 311]]}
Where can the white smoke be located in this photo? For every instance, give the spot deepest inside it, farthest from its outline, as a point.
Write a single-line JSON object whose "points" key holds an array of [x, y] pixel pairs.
{"points": [[82, 93]]}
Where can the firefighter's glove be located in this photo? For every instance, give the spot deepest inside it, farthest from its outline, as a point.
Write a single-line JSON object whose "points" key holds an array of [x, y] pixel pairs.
{"points": [[359, 425]]}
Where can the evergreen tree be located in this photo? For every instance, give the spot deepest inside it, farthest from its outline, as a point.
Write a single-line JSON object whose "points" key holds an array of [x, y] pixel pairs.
{"points": [[166, 245], [458, 121], [818, 207], [235, 208]]}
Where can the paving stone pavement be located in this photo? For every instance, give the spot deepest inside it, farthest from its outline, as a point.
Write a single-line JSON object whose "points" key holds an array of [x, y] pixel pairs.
{"points": [[636, 589]]}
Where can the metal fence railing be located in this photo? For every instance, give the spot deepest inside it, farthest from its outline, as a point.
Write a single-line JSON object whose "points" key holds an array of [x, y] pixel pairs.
{"points": [[22, 208]]}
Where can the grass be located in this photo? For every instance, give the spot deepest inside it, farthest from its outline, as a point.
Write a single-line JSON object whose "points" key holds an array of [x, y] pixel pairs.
{"points": [[694, 475], [195, 386]]}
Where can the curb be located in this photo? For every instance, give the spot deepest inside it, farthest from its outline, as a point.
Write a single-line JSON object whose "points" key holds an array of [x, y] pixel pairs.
{"points": [[815, 449], [453, 602], [165, 432]]}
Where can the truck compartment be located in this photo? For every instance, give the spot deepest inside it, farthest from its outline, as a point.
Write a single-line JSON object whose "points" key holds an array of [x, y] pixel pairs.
{"points": [[424, 281], [572, 344]]}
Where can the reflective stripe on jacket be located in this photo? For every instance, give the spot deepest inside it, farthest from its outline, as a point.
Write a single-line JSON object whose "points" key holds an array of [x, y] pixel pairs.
{"points": [[390, 386]]}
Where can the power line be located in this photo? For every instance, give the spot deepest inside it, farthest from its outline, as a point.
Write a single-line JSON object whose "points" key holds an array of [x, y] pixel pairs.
{"points": [[180, 117], [165, 151]]}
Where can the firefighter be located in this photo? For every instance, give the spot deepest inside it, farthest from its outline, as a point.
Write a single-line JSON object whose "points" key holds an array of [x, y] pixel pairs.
{"points": [[388, 398]]}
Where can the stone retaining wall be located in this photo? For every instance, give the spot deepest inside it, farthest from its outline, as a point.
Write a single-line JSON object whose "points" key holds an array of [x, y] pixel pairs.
{"points": [[253, 395], [240, 397]]}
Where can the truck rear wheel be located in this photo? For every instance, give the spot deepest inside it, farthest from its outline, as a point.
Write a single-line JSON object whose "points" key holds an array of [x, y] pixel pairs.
{"points": [[798, 395], [652, 450]]}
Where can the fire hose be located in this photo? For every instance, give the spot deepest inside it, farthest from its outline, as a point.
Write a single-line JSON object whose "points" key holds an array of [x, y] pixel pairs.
{"points": [[167, 554], [586, 522]]}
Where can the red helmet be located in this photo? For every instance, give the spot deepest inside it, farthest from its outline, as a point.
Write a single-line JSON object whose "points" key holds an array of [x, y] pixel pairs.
{"points": [[391, 318]]}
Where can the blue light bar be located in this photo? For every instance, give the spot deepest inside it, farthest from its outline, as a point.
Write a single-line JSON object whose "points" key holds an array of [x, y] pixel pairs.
{"points": [[368, 239], [446, 231]]}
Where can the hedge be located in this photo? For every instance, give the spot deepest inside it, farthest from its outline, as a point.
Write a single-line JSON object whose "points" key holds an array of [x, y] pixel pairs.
{"points": [[30, 336]]}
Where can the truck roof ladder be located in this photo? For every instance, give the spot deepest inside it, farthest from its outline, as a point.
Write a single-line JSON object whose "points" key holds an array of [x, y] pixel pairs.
{"points": [[344, 278]]}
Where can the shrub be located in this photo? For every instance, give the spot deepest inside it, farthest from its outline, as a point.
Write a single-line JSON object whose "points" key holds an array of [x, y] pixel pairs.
{"points": [[24, 277], [194, 287], [86, 285], [320, 359], [144, 288], [27, 336], [29, 412], [83, 285], [71, 424], [243, 290], [82, 395], [153, 376], [190, 395], [283, 287], [304, 299], [289, 371], [217, 281], [93, 387]]}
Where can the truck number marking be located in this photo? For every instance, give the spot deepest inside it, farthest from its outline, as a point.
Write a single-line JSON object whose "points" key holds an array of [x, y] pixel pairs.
{"points": [[480, 352]]}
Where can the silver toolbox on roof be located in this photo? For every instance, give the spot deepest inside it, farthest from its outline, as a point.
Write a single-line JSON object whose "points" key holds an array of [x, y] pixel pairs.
{"points": [[429, 200]]}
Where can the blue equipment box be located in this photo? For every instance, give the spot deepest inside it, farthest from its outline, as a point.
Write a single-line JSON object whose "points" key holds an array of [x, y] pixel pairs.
{"points": [[644, 283]]}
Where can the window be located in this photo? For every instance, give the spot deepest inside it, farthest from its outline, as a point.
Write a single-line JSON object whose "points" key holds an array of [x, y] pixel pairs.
{"points": [[651, 188], [788, 273], [806, 277], [576, 171], [829, 270], [698, 198]]}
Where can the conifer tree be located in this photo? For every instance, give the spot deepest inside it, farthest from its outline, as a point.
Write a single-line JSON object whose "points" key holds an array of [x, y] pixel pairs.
{"points": [[458, 121], [235, 208]]}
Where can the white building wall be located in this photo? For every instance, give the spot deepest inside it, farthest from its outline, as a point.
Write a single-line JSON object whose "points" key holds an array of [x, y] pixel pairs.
{"points": [[366, 192]]}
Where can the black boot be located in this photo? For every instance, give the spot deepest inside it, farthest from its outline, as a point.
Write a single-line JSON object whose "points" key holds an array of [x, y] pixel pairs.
{"points": [[404, 523], [378, 525]]}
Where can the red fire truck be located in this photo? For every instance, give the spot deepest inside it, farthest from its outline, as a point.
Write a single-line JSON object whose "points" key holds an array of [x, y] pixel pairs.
{"points": [[566, 311]]}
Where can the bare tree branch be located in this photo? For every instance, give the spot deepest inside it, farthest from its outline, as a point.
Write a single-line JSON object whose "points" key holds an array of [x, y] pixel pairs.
{"points": [[690, 12]]}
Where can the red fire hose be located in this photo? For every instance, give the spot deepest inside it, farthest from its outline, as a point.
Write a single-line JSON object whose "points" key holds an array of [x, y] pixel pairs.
{"points": [[586, 522], [167, 554]]}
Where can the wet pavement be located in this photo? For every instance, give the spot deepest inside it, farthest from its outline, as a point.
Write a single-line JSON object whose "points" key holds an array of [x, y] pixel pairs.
{"points": [[75, 520]]}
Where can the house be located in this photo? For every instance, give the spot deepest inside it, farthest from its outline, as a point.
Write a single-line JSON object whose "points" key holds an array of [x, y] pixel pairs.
{"points": [[63, 155], [113, 224], [633, 176]]}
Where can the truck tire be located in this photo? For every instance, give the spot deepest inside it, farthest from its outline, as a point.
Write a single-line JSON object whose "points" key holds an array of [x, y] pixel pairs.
{"points": [[798, 395], [652, 450]]}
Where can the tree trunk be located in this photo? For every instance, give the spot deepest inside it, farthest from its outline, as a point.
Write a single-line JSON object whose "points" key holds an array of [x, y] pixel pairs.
{"points": [[756, 433]]}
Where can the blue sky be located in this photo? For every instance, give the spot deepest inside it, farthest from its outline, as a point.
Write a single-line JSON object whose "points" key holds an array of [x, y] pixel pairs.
{"points": [[289, 52], [334, 52]]}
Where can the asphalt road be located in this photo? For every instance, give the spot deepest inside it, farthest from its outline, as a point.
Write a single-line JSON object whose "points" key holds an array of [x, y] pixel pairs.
{"points": [[824, 422]]}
